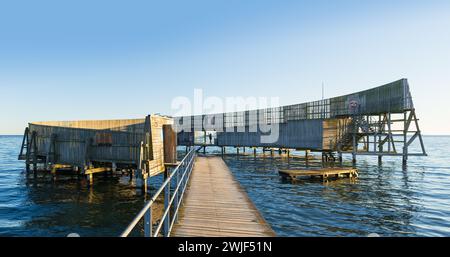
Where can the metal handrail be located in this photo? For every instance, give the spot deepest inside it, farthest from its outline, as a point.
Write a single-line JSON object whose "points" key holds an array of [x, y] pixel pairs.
{"points": [[182, 172]]}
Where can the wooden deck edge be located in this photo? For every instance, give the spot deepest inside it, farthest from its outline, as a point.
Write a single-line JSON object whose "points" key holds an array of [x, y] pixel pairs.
{"points": [[270, 232]]}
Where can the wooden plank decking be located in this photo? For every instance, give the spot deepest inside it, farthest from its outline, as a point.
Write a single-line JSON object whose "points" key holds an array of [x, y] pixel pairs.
{"points": [[323, 173], [215, 205]]}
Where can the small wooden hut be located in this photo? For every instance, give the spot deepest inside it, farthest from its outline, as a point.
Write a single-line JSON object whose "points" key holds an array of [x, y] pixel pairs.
{"points": [[91, 146]]}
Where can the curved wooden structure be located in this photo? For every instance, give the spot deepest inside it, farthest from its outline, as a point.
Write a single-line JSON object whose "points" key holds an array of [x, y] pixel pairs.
{"points": [[100, 145], [379, 121]]}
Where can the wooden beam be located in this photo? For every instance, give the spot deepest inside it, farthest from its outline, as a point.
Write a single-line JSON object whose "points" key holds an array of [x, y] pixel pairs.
{"points": [[97, 170]]}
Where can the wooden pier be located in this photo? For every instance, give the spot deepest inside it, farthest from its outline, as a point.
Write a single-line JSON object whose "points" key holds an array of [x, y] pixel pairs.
{"points": [[215, 205], [324, 173]]}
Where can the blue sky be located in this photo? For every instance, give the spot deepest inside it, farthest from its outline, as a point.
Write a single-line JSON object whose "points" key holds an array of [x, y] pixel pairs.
{"points": [[64, 60]]}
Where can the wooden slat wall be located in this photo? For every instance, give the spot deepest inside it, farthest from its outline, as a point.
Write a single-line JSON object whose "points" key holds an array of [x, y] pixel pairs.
{"points": [[156, 164], [71, 145], [302, 134], [332, 132], [130, 125], [117, 141]]}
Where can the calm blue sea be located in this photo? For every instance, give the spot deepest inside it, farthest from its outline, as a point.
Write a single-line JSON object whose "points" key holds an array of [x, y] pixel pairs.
{"points": [[387, 199]]}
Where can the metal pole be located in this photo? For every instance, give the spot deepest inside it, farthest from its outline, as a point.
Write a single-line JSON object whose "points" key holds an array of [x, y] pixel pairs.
{"points": [[148, 223], [166, 204], [177, 183]]}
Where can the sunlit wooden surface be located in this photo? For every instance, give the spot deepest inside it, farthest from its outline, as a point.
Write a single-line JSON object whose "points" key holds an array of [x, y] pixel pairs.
{"points": [[216, 205]]}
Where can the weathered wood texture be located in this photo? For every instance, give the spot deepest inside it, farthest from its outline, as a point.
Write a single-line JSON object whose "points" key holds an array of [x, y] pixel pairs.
{"points": [[306, 134], [129, 125], [324, 173], [300, 125], [215, 205], [109, 141], [156, 158], [76, 146], [170, 144], [333, 131]]}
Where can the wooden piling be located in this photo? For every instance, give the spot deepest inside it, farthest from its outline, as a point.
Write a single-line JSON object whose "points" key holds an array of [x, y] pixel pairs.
{"points": [[170, 144]]}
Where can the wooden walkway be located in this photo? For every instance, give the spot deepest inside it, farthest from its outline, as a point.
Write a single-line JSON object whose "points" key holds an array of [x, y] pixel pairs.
{"points": [[215, 205]]}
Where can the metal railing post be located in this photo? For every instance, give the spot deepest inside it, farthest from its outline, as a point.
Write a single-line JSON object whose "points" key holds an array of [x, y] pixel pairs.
{"points": [[148, 223], [166, 204], [177, 193], [172, 203]]}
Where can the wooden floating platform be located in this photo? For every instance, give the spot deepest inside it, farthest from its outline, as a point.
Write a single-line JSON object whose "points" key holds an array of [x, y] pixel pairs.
{"points": [[215, 205], [324, 173]]}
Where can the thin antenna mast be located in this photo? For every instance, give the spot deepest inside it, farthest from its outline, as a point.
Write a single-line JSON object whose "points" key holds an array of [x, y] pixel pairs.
{"points": [[322, 91]]}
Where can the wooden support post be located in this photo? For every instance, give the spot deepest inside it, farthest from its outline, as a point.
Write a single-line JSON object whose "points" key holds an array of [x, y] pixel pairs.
{"points": [[138, 171], [24, 143], [78, 170], [145, 184], [87, 162], [380, 145], [287, 151], [34, 151], [418, 132], [340, 157], [91, 179], [27, 154], [405, 131], [53, 169], [354, 143], [170, 144], [306, 157]]}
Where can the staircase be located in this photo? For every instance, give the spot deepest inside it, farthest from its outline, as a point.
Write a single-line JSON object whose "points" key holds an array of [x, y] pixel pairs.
{"points": [[362, 127]]}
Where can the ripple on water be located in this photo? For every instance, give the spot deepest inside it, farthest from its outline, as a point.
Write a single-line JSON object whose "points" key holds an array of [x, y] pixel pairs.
{"points": [[386, 200]]}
